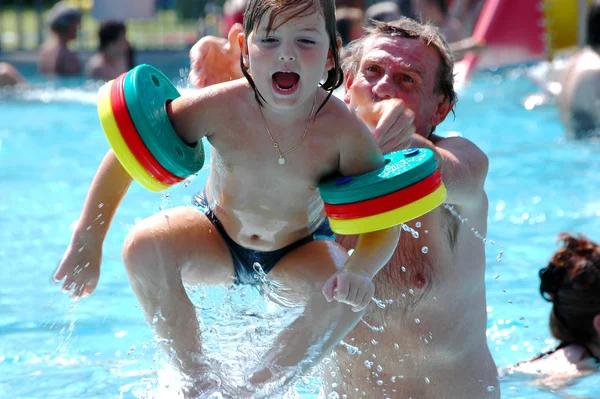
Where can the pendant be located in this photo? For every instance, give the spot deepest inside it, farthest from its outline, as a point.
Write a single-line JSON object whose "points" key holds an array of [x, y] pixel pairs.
{"points": [[281, 160]]}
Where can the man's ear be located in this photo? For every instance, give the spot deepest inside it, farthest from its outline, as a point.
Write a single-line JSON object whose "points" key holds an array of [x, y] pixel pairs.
{"points": [[441, 110], [348, 84], [597, 323], [244, 49]]}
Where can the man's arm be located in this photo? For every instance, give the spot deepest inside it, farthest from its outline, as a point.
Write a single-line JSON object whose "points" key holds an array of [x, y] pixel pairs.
{"points": [[216, 60], [463, 167]]}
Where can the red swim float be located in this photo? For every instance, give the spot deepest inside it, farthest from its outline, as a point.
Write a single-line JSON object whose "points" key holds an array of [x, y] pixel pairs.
{"points": [[132, 138], [387, 202]]}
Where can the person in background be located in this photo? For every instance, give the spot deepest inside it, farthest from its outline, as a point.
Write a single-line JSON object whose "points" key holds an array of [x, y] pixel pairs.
{"points": [[114, 52], [437, 13], [571, 282], [579, 98], [54, 55], [233, 13], [349, 23], [9, 75], [385, 11]]}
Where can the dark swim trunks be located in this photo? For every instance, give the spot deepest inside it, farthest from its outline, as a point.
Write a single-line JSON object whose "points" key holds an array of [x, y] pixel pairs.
{"points": [[244, 258]]}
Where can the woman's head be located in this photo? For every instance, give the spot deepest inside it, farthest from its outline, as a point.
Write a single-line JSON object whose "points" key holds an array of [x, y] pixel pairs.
{"points": [[273, 14], [571, 281]]}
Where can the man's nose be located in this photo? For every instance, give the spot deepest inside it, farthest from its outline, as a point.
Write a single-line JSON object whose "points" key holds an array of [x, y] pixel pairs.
{"points": [[386, 88]]}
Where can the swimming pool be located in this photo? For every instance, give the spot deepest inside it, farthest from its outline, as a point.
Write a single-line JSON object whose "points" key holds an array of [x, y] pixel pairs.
{"points": [[51, 143]]}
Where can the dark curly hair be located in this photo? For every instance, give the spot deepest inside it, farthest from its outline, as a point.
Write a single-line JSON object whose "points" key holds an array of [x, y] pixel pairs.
{"points": [[571, 281]]}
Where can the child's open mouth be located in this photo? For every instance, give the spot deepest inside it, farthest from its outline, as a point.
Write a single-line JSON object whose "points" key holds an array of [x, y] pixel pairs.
{"points": [[285, 82]]}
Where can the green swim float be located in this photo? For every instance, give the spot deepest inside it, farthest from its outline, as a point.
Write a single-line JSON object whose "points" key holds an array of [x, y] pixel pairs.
{"points": [[402, 169], [147, 91]]}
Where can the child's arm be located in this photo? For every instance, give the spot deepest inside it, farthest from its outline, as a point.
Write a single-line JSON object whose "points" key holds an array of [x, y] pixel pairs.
{"points": [[353, 284], [80, 266]]}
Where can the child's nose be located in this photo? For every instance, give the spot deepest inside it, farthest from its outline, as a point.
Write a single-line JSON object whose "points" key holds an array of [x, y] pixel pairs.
{"points": [[287, 53]]}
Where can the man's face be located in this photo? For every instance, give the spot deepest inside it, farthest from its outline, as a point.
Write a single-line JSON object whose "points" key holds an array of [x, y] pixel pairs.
{"points": [[395, 67]]}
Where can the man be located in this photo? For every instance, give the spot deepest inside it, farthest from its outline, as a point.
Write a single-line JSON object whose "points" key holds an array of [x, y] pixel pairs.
{"points": [[579, 99], [425, 337], [112, 58], [55, 57]]}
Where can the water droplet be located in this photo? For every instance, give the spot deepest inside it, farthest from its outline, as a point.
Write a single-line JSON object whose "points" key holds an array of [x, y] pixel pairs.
{"points": [[403, 269], [425, 249], [417, 320], [379, 368], [411, 291], [396, 346], [368, 364], [374, 342], [100, 205], [491, 388], [379, 382], [393, 379], [427, 381], [418, 224]]}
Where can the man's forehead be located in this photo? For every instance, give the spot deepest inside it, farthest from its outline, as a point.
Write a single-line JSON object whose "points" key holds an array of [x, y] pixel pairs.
{"points": [[411, 50]]}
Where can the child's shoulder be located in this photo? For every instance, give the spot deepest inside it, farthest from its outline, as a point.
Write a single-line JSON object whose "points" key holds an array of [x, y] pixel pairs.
{"points": [[223, 92], [339, 114]]}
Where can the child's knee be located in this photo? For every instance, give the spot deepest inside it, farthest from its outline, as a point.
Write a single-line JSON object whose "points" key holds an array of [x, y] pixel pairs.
{"points": [[141, 247]]}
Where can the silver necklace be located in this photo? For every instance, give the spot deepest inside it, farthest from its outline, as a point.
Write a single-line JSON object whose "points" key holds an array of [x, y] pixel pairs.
{"points": [[282, 155]]}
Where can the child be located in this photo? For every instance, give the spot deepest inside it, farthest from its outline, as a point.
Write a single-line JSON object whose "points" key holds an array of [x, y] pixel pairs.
{"points": [[275, 136]]}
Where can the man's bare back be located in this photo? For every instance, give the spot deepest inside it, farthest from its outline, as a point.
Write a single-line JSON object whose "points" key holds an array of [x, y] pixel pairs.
{"points": [[55, 58]]}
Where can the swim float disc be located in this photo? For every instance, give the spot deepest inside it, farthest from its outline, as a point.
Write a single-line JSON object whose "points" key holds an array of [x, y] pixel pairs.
{"points": [[402, 169], [147, 91]]}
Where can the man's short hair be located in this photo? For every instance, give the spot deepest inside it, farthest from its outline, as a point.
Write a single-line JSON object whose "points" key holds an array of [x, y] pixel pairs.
{"points": [[109, 32], [409, 28], [61, 16], [593, 25]]}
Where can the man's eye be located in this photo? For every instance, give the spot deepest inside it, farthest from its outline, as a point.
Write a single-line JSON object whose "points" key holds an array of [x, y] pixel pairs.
{"points": [[407, 79], [372, 69]]}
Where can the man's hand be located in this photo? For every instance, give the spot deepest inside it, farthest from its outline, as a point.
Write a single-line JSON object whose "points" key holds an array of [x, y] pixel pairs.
{"points": [[215, 60], [395, 128], [354, 289]]}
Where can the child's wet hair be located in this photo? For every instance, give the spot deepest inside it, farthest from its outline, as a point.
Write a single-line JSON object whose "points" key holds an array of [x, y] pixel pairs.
{"points": [[571, 281], [288, 10]]}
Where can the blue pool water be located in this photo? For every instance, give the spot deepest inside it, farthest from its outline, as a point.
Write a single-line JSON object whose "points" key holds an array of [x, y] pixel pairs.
{"points": [[51, 143]]}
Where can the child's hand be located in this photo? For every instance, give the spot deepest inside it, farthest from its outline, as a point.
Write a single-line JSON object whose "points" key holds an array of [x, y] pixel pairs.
{"points": [[80, 269], [216, 60], [395, 128], [354, 289]]}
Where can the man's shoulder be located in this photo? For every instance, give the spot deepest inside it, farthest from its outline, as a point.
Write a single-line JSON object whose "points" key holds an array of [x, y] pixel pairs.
{"points": [[460, 147]]}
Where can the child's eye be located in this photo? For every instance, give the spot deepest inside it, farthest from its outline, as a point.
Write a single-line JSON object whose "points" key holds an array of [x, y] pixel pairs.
{"points": [[307, 41], [269, 40]]}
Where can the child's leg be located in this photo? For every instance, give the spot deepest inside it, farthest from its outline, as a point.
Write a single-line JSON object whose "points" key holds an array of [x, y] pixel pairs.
{"points": [[162, 252], [299, 278]]}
